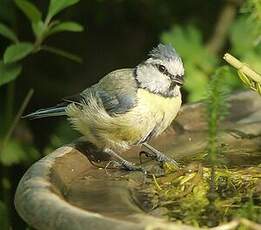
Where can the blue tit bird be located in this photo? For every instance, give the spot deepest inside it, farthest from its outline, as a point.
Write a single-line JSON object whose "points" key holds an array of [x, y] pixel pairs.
{"points": [[128, 106]]}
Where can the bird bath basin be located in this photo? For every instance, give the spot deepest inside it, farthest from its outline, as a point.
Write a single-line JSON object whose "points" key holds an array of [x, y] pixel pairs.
{"points": [[65, 191]]}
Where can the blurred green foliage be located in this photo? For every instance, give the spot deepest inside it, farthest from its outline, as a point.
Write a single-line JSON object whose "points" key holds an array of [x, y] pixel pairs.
{"points": [[198, 61], [245, 42], [16, 152], [253, 9], [63, 134], [16, 148], [206, 78], [133, 18], [41, 30]]}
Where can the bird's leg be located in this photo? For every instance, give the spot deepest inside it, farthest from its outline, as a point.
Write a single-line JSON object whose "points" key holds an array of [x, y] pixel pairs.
{"points": [[124, 164], [159, 156]]}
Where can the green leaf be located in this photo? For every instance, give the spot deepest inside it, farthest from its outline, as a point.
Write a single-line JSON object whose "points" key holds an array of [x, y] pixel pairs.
{"points": [[240, 42], [8, 33], [29, 9], [189, 44], [17, 51], [38, 28], [65, 26], [62, 53], [58, 5], [196, 83], [16, 152], [12, 154], [9, 72]]}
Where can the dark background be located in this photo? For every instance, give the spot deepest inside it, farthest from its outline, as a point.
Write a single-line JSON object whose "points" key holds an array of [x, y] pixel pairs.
{"points": [[118, 34]]}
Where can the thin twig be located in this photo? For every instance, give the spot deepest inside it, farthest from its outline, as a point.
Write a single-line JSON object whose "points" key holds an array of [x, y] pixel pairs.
{"points": [[62, 53], [225, 19], [17, 118]]}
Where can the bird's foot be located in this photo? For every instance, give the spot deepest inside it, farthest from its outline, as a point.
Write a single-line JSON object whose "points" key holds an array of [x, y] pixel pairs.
{"points": [[158, 156], [124, 164], [129, 166]]}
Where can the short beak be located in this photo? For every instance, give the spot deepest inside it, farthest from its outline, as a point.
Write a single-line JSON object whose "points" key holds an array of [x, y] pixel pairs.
{"points": [[179, 80]]}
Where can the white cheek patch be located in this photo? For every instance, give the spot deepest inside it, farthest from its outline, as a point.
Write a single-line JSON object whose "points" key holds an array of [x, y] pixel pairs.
{"points": [[150, 78]]}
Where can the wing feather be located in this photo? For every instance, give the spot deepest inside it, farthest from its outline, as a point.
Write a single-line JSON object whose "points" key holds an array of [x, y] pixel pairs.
{"points": [[116, 92]]}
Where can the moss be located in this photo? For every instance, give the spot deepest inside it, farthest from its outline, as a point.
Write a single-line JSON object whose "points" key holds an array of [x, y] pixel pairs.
{"points": [[185, 194]]}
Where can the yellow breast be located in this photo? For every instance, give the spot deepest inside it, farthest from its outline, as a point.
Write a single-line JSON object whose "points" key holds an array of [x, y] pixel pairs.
{"points": [[155, 111], [150, 117], [157, 103]]}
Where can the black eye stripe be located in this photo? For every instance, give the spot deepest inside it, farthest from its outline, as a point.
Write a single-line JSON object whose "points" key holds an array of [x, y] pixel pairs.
{"points": [[165, 71]]}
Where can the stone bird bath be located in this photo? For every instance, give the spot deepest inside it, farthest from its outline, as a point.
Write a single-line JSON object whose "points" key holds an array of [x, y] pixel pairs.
{"points": [[65, 191]]}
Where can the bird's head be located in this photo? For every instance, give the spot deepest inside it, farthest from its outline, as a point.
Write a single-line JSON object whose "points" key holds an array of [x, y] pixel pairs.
{"points": [[162, 73]]}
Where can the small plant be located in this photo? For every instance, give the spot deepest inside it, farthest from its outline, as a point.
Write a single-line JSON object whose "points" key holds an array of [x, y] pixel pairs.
{"points": [[15, 150], [216, 110], [10, 66], [210, 194], [217, 106]]}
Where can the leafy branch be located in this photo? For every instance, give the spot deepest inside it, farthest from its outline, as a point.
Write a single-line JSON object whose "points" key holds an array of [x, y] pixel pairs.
{"points": [[16, 120], [10, 66]]}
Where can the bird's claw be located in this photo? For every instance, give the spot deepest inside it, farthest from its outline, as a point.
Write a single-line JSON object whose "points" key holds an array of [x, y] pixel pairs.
{"points": [[132, 167], [126, 165], [159, 157]]}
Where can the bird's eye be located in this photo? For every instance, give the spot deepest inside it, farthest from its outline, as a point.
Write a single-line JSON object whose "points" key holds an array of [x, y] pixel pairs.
{"points": [[161, 68]]}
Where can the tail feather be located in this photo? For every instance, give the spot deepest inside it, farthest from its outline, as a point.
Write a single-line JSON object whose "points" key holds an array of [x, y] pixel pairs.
{"points": [[48, 112]]}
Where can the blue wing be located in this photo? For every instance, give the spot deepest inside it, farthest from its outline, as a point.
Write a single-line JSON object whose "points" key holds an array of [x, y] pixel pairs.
{"points": [[116, 91]]}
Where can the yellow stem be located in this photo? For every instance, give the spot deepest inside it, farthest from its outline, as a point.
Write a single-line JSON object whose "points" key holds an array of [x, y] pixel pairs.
{"points": [[156, 182], [242, 67]]}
